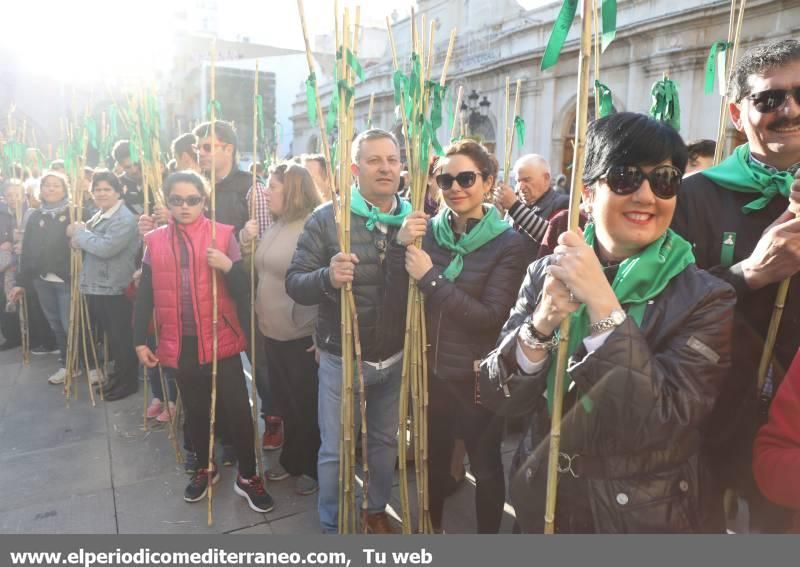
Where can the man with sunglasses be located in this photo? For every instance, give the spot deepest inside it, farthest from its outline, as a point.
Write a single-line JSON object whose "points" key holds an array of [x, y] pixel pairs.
{"points": [[738, 218], [534, 201], [131, 177], [315, 277]]}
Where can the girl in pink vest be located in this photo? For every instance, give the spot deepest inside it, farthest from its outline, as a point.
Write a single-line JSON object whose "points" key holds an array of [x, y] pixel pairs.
{"points": [[177, 270]]}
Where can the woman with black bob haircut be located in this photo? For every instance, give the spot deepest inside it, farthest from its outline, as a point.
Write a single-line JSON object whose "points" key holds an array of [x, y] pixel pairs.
{"points": [[649, 346]]}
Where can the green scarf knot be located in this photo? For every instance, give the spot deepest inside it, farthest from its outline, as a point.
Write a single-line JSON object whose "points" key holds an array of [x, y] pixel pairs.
{"points": [[360, 207], [639, 279], [490, 227], [739, 173]]}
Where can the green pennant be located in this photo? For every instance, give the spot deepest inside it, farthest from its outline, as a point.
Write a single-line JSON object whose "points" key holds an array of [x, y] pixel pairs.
{"points": [[260, 116], [666, 106], [603, 93], [91, 127], [451, 112], [333, 109], [711, 64], [519, 126], [352, 62], [609, 19], [559, 34], [311, 99], [215, 104]]}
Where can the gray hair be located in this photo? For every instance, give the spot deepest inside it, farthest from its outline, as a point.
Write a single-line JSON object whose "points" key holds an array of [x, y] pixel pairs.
{"points": [[531, 159], [367, 135]]}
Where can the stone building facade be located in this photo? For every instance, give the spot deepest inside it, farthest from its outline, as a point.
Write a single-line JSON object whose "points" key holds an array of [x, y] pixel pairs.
{"points": [[500, 38]]}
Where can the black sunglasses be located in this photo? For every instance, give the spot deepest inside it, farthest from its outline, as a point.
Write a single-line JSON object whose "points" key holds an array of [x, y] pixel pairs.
{"points": [[772, 100], [665, 180], [191, 200], [466, 179]]}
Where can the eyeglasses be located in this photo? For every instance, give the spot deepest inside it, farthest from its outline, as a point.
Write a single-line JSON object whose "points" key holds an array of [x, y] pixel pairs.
{"points": [[465, 179], [769, 101], [191, 200], [665, 180], [207, 147]]}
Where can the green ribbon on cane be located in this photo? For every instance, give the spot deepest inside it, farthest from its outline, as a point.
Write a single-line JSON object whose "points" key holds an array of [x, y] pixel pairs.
{"points": [[217, 108], [666, 106], [311, 99], [519, 127], [559, 33], [711, 64], [260, 116], [606, 100], [609, 19]]}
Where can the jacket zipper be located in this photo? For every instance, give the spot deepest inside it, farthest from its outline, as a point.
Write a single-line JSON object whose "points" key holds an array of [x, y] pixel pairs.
{"points": [[438, 332]]}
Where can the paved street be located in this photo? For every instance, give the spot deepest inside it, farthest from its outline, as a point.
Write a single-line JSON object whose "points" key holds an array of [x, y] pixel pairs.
{"points": [[78, 469]]}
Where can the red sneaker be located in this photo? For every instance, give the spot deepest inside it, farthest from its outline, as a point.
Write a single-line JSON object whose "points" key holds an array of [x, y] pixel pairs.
{"points": [[273, 434]]}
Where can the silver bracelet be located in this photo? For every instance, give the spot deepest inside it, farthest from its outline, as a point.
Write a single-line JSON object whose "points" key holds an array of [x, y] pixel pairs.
{"points": [[530, 341]]}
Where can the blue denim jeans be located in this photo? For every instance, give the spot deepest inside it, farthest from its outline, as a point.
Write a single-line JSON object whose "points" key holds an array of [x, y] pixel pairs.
{"points": [[54, 299], [383, 399]]}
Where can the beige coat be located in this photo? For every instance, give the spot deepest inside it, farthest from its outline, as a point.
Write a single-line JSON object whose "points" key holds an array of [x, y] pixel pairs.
{"points": [[279, 317]]}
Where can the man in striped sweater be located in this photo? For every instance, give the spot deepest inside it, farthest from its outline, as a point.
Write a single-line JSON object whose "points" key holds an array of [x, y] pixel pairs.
{"points": [[532, 202]]}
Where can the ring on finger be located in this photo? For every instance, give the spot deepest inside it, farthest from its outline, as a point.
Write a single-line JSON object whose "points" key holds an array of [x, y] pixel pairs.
{"points": [[572, 298]]}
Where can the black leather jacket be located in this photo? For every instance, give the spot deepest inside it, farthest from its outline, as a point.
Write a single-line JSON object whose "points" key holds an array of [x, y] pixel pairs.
{"points": [[464, 317], [378, 287], [640, 466]]}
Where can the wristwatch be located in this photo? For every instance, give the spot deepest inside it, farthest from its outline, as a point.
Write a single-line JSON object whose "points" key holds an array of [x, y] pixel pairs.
{"points": [[535, 340], [615, 319]]}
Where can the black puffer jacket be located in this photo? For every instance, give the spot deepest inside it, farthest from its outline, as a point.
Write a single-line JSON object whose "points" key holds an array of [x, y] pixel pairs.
{"points": [[231, 195], [378, 288], [641, 468], [45, 247], [464, 317]]}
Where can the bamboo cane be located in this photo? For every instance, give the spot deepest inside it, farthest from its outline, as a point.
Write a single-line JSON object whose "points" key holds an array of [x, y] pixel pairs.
{"points": [[173, 435], [596, 17], [369, 112], [214, 304], [24, 330], [103, 372], [510, 132], [774, 325], [84, 317], [574, 212], [253, 389], [457, 110], [723, 104]]}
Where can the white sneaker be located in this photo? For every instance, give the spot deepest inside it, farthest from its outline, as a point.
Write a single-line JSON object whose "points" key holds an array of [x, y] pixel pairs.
{"points": [[61, 376], [95, 377]]}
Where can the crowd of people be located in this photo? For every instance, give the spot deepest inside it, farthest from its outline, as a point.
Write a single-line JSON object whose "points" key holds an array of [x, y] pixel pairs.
{"points": [[668, 285]]}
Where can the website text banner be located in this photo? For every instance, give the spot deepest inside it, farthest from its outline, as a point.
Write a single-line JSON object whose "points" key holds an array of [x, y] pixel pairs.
{"points": [[394, 551]]}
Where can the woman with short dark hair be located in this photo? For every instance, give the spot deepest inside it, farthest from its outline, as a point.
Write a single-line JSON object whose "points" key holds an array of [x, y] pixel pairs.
{"points": [[649, 347], [110, 245]]}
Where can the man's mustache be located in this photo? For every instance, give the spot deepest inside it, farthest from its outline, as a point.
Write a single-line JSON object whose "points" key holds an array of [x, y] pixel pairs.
{"points": [[784, 122]]}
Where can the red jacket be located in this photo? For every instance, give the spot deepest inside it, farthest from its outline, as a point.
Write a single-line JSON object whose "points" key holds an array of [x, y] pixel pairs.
{"points": [[776, 455], [164, 251]]}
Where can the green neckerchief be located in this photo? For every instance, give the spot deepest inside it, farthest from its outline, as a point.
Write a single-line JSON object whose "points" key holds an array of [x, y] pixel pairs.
{"points": [[739, 173], [639, 278], [373, 214], [487, 229]]}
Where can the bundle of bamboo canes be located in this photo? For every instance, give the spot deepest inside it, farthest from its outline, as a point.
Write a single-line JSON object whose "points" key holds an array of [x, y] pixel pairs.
{"points": [[339, 178], [420, 102]]}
